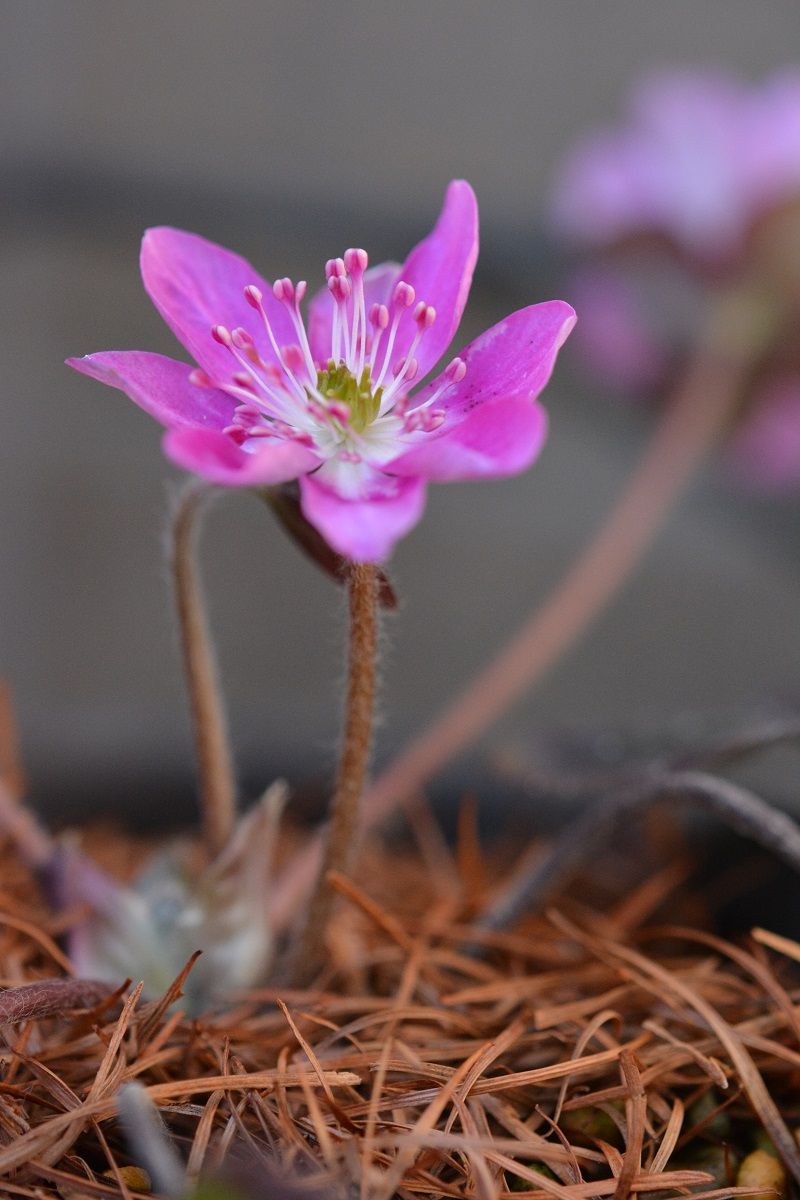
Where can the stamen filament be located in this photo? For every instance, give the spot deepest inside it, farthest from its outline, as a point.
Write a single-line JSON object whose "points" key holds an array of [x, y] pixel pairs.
{"points": [[275, 398], [255, 299], [389, 347]]}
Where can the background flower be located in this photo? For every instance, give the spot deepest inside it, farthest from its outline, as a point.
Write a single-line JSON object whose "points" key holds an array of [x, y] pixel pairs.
{"points": [[694, 192], [697, 158]]}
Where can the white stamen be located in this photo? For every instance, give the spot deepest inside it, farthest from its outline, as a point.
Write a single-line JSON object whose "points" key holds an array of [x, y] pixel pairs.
{"points": [[291, 295], [402, 298], [255, 299], [454, 372], [281, 398]]}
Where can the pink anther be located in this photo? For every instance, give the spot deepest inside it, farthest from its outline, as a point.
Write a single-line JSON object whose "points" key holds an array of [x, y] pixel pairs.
{"points": [[340, 288], [243, 381], [355, 260], [379, 316], [247, 413], [222, 335], [292, 356], [424, 419], [403, 294], [241, 339], [424, 315], [339, 412], [283, 289], [456, 370], [407, 367]]}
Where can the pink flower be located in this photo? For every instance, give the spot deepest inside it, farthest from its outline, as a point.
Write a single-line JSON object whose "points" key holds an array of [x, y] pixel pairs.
{"points": [[331, 403], [698, 159], [765, 449], [617, 340], [707, 167]]}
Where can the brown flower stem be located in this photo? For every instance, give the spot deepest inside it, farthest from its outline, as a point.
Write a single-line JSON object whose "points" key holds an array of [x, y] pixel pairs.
{"points": [[692, 423], [212, 747], [362, 587]]}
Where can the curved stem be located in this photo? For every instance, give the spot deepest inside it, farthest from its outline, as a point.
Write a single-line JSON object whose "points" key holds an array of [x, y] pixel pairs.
{"points": [[362, 586], [746, 813], [690, 426], [209, 724]]}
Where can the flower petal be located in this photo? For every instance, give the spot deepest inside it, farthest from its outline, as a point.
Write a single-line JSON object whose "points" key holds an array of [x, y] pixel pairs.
{"points": [[440, 271], [696, 158], [160, 386], [771, 159], [216, 456], [513, 359], [285, 504], [364, 528], [602, 192], [507, 368], [500, 438], [196, 284], [378, 283]]}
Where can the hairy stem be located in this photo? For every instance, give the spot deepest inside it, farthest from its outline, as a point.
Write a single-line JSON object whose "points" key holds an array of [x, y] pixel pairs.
{"points": [[351, 778], [212, 746]]}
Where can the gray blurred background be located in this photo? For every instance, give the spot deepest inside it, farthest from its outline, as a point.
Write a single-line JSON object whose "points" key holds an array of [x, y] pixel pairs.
{"points": [[289, 131]]}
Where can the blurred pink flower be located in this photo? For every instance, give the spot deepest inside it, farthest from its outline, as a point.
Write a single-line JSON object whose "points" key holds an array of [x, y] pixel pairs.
{"points": [[698, 163], [765, 449], [617, 339], [698, 158], [332, 404]]}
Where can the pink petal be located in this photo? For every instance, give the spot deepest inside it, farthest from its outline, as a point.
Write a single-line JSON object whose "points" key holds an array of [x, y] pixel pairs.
{"points": [[216, 456], [603, 189], [697, 158], [512, 360], [196, 284], [440, 271], [771, 160], [364, 529], [160, 386], [501, 437], [378, 283], [693, 123], [492, 426]]}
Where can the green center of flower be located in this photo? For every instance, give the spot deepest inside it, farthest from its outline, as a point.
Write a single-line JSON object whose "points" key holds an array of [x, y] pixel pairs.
{"points": [[338, 383]]}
